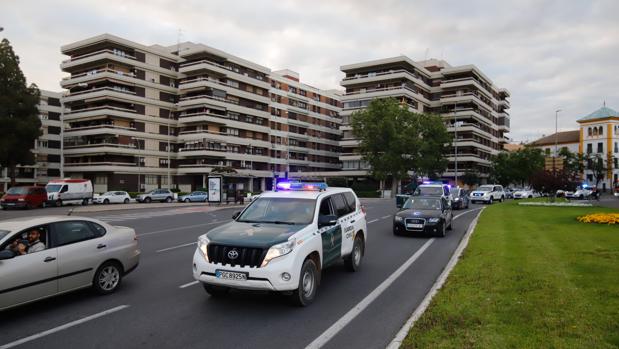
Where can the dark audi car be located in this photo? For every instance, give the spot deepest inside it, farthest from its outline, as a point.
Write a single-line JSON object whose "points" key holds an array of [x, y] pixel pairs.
{"points": [[424, 214]]}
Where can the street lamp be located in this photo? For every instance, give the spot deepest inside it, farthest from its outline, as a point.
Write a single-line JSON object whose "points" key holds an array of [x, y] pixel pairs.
{"points": [[554, 159], [456, 143]]}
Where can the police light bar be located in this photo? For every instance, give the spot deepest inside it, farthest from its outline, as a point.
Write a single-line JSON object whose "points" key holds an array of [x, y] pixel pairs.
{"points": [[301, 186]]}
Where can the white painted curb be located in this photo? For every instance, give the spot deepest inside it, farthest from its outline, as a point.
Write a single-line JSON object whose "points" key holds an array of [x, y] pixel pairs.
{"points": [[401, 335]]}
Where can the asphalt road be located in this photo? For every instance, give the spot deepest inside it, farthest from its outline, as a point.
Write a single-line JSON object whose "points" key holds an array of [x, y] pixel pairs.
{"points": [[159, 305]]}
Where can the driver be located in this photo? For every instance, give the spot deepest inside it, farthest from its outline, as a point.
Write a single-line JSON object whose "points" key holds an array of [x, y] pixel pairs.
{"points": [[34, 242]]}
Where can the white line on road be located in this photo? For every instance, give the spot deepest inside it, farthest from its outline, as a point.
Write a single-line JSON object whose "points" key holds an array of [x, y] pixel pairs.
{"points": [[372, 221], [188, 284], [175, 247], [63, 327], [357, 309], [469, 211], [180, 228], [385, 217]]}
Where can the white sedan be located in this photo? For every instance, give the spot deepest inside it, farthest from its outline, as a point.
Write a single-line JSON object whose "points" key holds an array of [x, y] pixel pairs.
{"points": [[45, 256], [112, 197], [525, 194]]}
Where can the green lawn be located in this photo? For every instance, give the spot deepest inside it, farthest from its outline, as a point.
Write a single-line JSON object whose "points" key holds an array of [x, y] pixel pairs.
{"points": [[531, 277]]}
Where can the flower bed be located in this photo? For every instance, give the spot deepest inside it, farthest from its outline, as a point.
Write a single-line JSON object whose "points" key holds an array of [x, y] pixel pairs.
{"points": [[601, 218], [555, 204]]}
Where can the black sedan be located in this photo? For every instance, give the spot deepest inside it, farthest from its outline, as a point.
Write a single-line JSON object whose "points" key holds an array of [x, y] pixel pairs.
{"points": [[460, 198], [424, 214]]}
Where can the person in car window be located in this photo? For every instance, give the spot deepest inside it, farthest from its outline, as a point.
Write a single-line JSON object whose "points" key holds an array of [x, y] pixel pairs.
{"points": [[34, 244]]}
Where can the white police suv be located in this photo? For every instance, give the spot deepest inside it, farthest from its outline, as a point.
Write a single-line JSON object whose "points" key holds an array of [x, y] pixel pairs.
{"points": [[282, 241]]}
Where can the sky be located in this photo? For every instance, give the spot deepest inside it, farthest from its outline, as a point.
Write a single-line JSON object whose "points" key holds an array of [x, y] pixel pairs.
{"points": [[549, 54]]}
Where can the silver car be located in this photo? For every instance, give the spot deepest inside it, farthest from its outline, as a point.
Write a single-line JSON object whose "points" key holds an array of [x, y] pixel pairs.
{"points": [[45, 256]]}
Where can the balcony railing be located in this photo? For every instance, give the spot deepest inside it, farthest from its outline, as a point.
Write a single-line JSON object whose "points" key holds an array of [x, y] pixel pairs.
{"points": [[91, 127], [99, 71], [381, 90], [114, 52], [101, 163], [100, 108], [361, 76], [221, 99], [102, 144], [113, 89]]}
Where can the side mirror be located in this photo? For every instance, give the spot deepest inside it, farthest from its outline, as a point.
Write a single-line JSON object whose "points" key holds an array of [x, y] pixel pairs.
{"points": [[6, 254], [236, 214], [327, 220]]}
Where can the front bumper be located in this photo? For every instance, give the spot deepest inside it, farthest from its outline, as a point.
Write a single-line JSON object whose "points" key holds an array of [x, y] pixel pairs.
{"points": [[428, 228], [481, 198], [264, 278], [14, 204]]}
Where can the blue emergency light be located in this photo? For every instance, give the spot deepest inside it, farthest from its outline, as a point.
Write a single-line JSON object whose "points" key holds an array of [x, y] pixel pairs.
{"points": [[301, 186]]}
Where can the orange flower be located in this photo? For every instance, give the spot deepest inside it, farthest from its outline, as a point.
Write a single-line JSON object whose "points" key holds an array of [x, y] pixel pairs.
{"points": [[601, 218]]}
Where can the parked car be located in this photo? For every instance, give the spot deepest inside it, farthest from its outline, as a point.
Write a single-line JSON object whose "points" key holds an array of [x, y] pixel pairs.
{"points": [[580, 193], [24, 197], [425, 214], [460, 198], [488, 193], [45, 256], [112, 197], [196, 196], [162, 195], [64, 191], [526, 194], [509, 193]]}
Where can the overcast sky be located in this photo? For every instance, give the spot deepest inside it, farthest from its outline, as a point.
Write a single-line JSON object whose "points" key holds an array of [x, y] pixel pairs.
{"points": [[549, 54]]}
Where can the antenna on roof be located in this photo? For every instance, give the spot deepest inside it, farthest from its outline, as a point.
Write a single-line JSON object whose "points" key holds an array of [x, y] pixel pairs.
{"points": [[604, 103]]}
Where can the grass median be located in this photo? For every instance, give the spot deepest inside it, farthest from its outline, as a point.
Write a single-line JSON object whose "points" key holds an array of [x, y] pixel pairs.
{"points": [[531, 277]]}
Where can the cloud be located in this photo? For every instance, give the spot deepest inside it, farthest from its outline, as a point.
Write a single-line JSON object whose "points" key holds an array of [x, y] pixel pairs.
{"points": [[548, 53]]}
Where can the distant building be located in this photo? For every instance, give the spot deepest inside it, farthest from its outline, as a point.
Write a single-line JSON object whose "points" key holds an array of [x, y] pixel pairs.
{"points": [[511, 147], [569, 140], [46, 149], [599, 134]]}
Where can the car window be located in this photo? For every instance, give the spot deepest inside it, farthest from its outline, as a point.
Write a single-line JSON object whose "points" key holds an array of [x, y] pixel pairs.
{"points": [[425, 190], [340, 206], [326, 207], [28, 241], [64, 189], [351, 201], [70, 232], [98, 229]]}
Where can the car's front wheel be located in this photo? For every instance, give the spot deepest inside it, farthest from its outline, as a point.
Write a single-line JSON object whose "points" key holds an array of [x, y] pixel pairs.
{"points": [[168, 199], [353, 262], [106, 201], [187, 200], [107, 278], [216, 291], [147, 200], [490, 201], [443, 230], [126, 201], [308, 283]]}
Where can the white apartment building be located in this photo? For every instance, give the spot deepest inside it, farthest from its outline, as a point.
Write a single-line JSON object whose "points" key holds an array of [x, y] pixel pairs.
{"points": [[599, 135], [464, 96]]}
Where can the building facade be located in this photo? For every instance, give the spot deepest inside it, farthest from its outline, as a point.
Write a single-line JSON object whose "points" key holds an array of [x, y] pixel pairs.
{"points": [[470, 104], [154, 116], [569, 140], [47, 149], [599, 136]]}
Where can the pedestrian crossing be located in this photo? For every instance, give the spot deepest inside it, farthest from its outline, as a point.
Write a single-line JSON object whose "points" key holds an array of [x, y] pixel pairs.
{"points": [[122, 217]]}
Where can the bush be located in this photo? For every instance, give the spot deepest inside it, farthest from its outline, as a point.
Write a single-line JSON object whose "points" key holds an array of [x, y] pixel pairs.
{"points": [[133, 194], [368, 194], [175, 190], [601, 218], [181, 193]]}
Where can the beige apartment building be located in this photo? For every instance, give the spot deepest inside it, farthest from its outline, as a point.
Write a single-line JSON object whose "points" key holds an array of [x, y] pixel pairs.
{"points": [[470, 104], [138, 115], [47, 148]]}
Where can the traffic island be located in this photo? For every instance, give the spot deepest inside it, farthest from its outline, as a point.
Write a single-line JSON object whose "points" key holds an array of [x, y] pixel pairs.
{"points": [[531, 277]]}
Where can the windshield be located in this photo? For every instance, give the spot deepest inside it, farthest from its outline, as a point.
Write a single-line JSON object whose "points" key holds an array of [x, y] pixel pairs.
{"points": [[429, 191], [422, 204], [109, 193], [485, 188], [3, 233], [18, 191], [280, 211], [52, 188], [454, 191]]}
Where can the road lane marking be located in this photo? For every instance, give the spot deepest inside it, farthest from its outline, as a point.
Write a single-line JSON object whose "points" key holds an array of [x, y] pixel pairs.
{"points": [[188, 284], [385, 217], [357, 309], [469, 211], [63, 327], [401, 335], [180, 228], [372, 221], [175, 247]]}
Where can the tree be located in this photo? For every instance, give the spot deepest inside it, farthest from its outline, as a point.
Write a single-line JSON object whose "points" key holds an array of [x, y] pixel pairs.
{"points": [[597, 166], [501, 171], [394, 140], [549, 182], [19, 122], [525, 163], [470, 178], [572, 164]]}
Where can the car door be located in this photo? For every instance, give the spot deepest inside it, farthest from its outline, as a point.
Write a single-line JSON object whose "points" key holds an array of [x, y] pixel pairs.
{"points": [[81, 249], [346, 221], [28, 277], [331, 236]]}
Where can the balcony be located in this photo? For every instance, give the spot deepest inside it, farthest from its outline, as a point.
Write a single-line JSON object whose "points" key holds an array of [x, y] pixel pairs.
{"points": [[100, 92], [205, 64], [90, 54]]}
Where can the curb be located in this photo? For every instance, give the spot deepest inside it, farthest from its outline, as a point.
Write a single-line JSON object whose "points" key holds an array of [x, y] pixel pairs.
{"points": [[401, 335]]}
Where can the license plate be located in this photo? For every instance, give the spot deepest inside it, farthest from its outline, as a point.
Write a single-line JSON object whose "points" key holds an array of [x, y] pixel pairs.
{"points": [[10, 204], [414, 226], [230, 275]]}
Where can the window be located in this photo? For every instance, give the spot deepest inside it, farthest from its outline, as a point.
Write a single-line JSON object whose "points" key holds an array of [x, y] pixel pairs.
{"points": [[589, 148], [340, 206], [589, 132], [19, 243], [600, 131], [233, 83], [100, 179], [351, 201], [98, 229], [64, 233], [150, 179], [600, 147], [325, 207]]}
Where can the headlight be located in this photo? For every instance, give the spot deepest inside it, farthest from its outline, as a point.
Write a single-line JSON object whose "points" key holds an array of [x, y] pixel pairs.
{"points": [[279, 250], [434, 220], [21, 199], [202, 246], [457, 199], [398, 218]]}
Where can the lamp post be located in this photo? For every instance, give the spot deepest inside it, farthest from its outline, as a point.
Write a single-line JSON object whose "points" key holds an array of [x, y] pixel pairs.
{"points": [[554, 159], [456, 144]]}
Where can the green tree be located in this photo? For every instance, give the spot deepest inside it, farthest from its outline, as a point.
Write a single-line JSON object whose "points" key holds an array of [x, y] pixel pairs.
{"points": [[19, 122], [597, 166], [394, 140], [501, 171], [470, 178], [525, 163], [572, 163]]}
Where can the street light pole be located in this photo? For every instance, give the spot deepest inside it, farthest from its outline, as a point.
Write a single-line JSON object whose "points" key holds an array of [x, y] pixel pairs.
{"points": [[456, 143], [554, 159]]}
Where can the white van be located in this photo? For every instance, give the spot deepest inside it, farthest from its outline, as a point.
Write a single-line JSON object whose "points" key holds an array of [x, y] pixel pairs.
{"points": [[65, 191]]}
